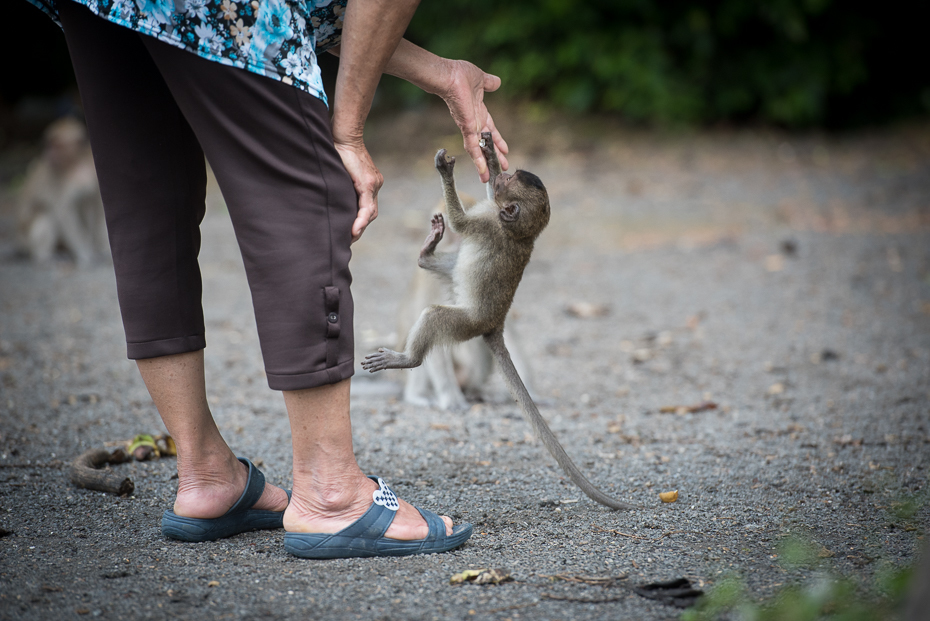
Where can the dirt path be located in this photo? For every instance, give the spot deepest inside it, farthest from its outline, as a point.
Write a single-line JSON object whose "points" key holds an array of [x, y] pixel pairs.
{"points": [[785, 280]]}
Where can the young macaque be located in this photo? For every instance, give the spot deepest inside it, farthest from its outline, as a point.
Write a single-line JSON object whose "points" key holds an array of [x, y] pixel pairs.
{"points": [[450, 377], [497, 239], [60, 201]]}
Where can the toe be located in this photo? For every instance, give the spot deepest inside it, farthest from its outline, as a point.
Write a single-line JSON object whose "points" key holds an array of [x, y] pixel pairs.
{"points": [[448, 521]]}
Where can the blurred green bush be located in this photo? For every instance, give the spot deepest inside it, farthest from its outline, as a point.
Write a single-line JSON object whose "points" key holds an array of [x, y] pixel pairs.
{"points": [[794, 63]]}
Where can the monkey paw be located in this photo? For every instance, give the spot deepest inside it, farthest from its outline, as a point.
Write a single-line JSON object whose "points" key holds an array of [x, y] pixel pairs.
{"points": [[444, 164], [487, 145], [383, 359], [437, 228]]}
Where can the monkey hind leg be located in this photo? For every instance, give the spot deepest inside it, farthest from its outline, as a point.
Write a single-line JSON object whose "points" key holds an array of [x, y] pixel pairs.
{"points": [[437, 325]]}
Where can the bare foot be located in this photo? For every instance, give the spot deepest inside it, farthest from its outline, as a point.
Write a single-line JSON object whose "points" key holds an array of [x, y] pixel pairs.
{"points": [[209, 492], [345, 504]]}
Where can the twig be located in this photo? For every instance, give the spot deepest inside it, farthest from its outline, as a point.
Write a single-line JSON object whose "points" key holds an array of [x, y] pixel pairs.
{"points": [[617, 532], [506, 608], [582, 600], [677, 532], [86, 472], [52, 464], [660, 537], [605, 581]]}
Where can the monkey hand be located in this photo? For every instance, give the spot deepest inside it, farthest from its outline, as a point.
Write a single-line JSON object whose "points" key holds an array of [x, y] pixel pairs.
{"points": [[444, 164], [383, 359], [437, 228]]}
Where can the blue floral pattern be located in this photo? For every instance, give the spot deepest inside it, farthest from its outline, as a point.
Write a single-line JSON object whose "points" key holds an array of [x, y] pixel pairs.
{"points": [[275, 38]]}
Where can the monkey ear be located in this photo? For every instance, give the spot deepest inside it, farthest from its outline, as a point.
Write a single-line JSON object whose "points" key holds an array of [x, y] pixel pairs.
{"points": [[509, 212]]}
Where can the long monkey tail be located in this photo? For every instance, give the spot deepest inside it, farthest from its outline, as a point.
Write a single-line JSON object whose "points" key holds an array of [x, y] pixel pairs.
{"points": [[518, 391]]}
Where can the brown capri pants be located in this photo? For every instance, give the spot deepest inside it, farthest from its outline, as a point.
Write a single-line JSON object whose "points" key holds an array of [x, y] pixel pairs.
{"points": [[152, 113]]}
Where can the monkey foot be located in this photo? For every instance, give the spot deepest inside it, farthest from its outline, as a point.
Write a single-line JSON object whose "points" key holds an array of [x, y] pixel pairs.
{"points": [[384, 359], [444, 164]]}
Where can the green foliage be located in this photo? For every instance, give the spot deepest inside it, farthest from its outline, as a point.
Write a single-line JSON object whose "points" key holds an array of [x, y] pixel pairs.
{"points": [[789, 62], [829, 597]]}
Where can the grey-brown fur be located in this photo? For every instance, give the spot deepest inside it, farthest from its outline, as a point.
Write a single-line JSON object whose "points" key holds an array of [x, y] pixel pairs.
{"points": [[497, 241]]}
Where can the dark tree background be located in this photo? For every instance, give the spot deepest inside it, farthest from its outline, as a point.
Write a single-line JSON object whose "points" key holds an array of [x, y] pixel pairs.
{"points": [[792, 63]]}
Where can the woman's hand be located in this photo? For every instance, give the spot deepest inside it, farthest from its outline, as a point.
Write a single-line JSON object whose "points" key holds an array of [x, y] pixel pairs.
{"points": [[464, 95], [367, 181]]}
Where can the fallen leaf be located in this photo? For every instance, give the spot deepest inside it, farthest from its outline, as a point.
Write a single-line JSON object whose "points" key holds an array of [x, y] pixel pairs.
{"points": [[213, 583], [168, 448], [669, 496], [586, 310], [481, 576], [703, 406], [642, 355], [825, 553], [143, 447], [774, 263], [679, 593]]}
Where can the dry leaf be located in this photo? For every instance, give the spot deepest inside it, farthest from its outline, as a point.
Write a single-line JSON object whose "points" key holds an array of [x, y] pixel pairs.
{"points": [[586, 310], [703, 406], [481, 576], [143, 447], [774, 263], [168, 448], [213, 583], [669, 496]]}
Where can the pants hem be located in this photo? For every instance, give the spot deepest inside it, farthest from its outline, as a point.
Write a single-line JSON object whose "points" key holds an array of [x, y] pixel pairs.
{"points": [[165, 347], [313, 379]]}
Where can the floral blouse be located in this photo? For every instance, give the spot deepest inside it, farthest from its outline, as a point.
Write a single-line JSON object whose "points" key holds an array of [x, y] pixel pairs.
{"points": [[275, 38]]}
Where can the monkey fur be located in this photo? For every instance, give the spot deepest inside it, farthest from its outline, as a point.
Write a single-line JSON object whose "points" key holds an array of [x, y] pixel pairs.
{"points": [[60, 202], [450, 377], [497, 239]]}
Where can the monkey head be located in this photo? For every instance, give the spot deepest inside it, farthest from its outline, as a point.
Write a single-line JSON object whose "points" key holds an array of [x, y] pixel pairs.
{"points": [[523, 204], [65, 141]]}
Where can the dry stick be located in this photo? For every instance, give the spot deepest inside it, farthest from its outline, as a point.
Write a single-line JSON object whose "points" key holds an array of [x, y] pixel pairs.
{"points": [[605, 581], [601, 600], [506, 608], [660, 537], [86, 472]]}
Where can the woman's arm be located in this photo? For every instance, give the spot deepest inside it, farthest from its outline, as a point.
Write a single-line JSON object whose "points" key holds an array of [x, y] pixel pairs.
{"points": [[461, 85], [370, 34]]}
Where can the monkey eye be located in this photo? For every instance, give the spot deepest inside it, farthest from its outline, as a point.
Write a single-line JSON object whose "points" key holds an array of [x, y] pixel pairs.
{"points": [[510, 212]]}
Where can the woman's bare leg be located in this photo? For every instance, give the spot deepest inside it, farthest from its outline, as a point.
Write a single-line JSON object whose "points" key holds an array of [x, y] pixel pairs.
{"points": [[210, 478], [330, 490]]}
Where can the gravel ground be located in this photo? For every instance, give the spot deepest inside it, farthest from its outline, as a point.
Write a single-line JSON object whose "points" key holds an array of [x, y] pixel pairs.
{"points": [[785, 279]]}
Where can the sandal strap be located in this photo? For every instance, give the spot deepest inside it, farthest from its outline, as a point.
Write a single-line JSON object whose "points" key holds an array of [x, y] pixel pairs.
{"points": [[254, 488]]}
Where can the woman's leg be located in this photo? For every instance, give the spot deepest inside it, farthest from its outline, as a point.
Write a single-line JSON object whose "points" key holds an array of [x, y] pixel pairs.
{"points": [[292, 205], [210, 478], [330, 490], [152, 177]]}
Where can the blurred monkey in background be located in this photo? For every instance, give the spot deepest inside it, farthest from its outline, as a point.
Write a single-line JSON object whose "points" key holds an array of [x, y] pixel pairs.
{"points": [[60, 202]]}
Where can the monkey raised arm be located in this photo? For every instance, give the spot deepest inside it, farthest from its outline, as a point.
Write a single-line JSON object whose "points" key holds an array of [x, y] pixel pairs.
{"points": [[490, 156], [442, 263], [464, 223]]}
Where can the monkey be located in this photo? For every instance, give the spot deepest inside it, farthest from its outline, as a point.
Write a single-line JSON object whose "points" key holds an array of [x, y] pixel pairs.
{"points": [[451, 376], [60, 201], [498, 236]]}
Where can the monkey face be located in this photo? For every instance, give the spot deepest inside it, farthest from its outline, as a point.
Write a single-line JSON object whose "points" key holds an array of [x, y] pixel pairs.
{"points": [[65, 142], [523, 204]]}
